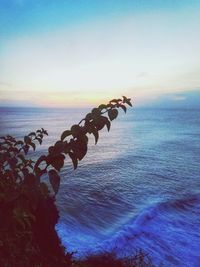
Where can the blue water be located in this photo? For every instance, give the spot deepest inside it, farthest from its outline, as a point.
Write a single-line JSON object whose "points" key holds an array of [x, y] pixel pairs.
{"points": [[138, 188]]}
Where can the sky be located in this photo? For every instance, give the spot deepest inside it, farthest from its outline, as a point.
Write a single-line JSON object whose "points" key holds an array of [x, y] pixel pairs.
{"points": [[84, 52]]}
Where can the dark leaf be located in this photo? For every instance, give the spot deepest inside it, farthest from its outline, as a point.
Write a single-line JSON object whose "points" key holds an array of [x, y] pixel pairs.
{"points": [[74, 159], [96, 134], [22, 158], [58, 147], [57, 161], [39, 140], [41, 159], [33, 145], [32, 133], [51, 149], [54, 180], [124, 99], [79, 147], [106, 122], [66, 148], [76, 130], [114, 101], [12, 162], [101, 122], [13, 149], [19, 143], [96, 112], [112, 114], [128, 101], [26, 149], [89, 116], [102, 106], [123, 107], [65, 134], [39, 172], [27, 139]]}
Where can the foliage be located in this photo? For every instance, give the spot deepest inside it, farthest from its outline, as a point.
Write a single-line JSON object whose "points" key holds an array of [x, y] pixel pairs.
{"points": [[25, 198], [137, 259]]}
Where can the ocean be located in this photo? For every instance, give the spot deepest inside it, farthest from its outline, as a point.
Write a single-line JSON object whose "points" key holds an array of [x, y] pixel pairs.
{"points": [[138, 188]]}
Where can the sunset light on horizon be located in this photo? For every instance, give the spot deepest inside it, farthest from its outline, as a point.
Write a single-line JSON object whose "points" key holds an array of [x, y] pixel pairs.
{"points": [[81, 53]]}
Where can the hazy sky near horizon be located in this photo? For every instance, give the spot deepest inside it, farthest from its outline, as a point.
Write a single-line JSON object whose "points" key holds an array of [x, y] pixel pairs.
{"points": [[83, 52]]}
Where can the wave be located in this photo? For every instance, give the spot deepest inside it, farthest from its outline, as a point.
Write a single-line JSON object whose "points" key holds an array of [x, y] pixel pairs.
{"points": [[168, 232]]}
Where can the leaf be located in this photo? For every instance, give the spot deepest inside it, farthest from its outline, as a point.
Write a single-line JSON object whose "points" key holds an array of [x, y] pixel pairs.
{"points": [[32, 133], [13, 149], [57, 161], [124, 99], [51, 149], [66, 148], [96, 112], [123, 107], [54, 180], [112, 114], [19, 143], [27, 139], [65, 134], [127, 101], [108, 124], [39, 172], [58, 147], [102, 106], [101, 122], [26, 149], [76, 130], [114, 101], [12, 161], [79, 147], [39, 140], [96, 134], [22, 158], [42, 158], [74, 159], [33, 145], [89, 116]]}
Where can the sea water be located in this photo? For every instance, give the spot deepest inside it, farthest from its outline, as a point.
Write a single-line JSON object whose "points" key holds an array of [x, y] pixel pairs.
{"points": [[138, 188]]}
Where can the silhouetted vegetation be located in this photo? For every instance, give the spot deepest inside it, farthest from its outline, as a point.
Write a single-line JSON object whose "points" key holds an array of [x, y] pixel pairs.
{"points": [[27, 207], [137, 259]]}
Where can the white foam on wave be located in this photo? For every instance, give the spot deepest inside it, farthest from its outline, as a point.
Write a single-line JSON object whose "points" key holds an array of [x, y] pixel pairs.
{"points": [[169, 232]]}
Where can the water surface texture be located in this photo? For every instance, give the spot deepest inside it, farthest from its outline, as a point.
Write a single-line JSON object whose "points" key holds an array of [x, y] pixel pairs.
{"points": [[138, 188]]}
